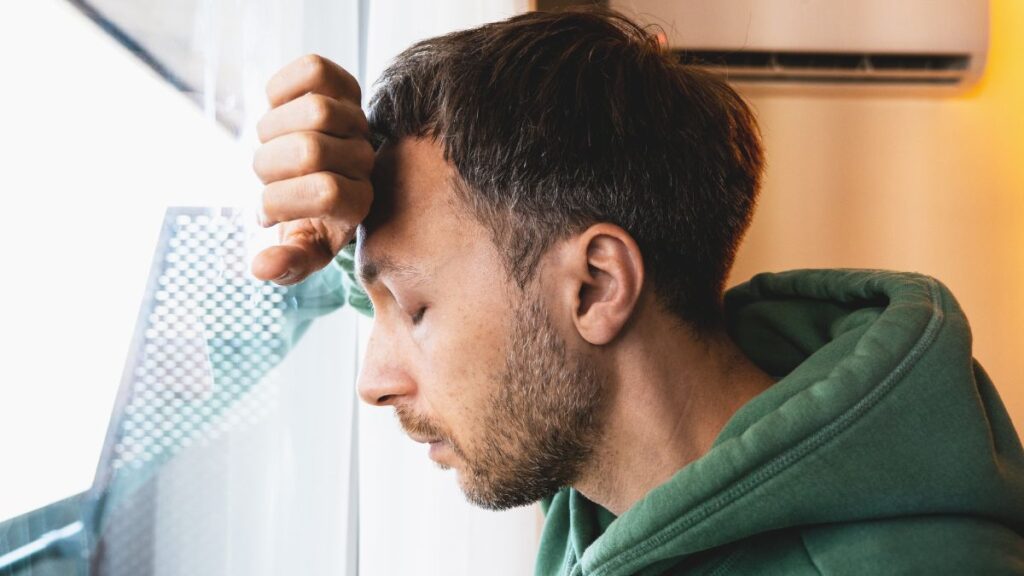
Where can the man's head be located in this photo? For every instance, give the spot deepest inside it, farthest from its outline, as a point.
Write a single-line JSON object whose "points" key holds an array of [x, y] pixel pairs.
{"points": [[542, 185]]}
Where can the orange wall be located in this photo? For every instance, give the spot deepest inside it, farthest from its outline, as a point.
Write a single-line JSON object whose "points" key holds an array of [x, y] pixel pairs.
{"points": [[934, 185]]}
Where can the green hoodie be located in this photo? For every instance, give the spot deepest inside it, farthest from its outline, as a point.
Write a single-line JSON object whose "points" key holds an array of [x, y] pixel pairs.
{"points": [[884, 449]]}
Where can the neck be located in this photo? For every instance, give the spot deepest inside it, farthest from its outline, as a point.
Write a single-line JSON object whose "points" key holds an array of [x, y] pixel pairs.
{"points": [[670, 397]]}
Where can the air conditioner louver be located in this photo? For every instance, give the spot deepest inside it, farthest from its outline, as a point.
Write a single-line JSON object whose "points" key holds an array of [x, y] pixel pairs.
{"points": [[758, 66]]}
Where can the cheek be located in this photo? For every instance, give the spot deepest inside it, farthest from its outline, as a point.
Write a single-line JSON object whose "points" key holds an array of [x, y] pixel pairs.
{"points": [[463, 335], [462, 360]]}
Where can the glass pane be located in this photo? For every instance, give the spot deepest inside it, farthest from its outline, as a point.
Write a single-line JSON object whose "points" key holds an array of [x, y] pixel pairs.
{"points": [[214, 462]]}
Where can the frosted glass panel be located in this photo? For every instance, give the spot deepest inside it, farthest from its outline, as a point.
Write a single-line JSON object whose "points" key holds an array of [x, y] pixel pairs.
{"points": [[214, 463], [215, 459]]}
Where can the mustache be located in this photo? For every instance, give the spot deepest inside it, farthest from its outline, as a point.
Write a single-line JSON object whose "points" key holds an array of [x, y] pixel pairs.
{"points": [[416, 425]]}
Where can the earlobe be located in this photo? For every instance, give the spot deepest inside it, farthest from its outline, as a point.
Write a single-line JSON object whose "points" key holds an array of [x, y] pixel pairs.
{"points": [[610, 282]]}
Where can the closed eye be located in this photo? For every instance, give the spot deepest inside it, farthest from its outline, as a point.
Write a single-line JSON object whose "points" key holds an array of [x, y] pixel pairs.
{"points": [[418, 316]]}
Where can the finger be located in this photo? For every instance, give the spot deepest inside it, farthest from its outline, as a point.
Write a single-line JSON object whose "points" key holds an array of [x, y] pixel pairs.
{"points": [[319, 195], [314, 112], [312, 73], [301, 153], [288, 264]]}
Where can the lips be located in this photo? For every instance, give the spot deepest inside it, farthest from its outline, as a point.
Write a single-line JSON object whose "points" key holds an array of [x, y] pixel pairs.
{"points": [[424, 440]]}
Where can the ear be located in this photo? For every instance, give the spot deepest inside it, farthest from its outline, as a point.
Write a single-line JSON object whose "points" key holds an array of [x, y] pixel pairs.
{"points": [[607, 272]]}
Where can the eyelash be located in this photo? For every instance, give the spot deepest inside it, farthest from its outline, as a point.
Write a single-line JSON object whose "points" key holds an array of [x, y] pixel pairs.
{"points": [[418, 316]]}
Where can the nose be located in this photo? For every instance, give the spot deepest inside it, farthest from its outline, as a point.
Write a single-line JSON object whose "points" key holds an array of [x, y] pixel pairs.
{"points": [[384, 378]]}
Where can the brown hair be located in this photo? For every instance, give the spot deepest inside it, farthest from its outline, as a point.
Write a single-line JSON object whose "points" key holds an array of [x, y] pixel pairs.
{"points": [[556, 121]]}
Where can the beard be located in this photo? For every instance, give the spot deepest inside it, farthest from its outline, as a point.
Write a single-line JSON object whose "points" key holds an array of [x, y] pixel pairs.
{"points": [[538, 430]]}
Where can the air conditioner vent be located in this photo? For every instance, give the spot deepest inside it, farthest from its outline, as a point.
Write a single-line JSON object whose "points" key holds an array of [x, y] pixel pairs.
{"points": [[831, 67]]}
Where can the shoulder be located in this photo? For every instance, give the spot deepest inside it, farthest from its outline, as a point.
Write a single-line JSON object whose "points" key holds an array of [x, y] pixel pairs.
{"points": [[916, 545]]}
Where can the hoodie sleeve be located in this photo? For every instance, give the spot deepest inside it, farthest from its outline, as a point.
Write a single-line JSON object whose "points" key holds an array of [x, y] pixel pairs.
{"points": [[327, 290], [324, 292], [357, 298]]}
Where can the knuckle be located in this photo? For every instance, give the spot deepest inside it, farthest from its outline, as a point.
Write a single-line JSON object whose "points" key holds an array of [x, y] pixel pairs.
{"points": [[355, 89], [315, 64], [355, 119], [327, 191], [310, 153], [362, 124], [319, 111], [349, 85], [364, 156]]}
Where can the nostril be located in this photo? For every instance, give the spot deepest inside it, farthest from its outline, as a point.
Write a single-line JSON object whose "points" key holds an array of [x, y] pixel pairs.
{"points": [[383, 384]]}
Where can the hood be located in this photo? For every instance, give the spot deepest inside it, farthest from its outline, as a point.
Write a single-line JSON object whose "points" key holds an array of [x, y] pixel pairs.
{"points": [[881, 412]]}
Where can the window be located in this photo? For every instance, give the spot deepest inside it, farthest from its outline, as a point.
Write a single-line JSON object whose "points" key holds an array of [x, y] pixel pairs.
{"points": [[234, 446]]}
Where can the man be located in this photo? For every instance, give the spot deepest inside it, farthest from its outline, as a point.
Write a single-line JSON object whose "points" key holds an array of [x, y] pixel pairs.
{"points": [[544, 223]]}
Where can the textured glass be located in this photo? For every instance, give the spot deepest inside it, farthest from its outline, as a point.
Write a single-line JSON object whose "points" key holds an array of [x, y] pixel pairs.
{"points": [[230, 450], [207, 336], [202, 472]]}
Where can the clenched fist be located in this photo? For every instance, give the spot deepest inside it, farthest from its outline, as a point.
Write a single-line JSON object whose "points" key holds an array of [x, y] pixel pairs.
{"points": [[315, 159]]}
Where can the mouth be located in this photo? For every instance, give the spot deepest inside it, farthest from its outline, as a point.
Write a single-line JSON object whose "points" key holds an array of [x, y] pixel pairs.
{"points": [[438, 446], [425, 440]]}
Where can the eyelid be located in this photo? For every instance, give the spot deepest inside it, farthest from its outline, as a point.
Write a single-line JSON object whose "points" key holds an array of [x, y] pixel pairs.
{"points": [[418, 316]]}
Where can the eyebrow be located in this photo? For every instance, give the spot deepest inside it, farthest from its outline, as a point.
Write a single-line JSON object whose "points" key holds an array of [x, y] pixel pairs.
{"points": [[370, 271]]}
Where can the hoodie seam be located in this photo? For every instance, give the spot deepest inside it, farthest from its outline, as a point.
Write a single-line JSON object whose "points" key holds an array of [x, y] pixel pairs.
{"points": [[783, 461], [571, 566]]}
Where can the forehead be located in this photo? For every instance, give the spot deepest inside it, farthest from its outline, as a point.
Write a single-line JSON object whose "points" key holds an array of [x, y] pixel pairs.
{"points": [[416, 215]]}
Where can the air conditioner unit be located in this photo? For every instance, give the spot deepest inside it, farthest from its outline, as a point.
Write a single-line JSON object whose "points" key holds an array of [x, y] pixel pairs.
{"points": [[893, 46]]}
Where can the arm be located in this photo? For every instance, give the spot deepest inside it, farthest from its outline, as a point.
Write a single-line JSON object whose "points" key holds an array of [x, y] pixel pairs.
{"points": [[356, 296], [323, 292]]}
